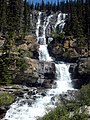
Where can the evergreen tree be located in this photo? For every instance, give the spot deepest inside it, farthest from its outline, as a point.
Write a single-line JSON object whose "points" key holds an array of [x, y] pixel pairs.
{"points": [[25, 18], [42, 5], [3, 16]]}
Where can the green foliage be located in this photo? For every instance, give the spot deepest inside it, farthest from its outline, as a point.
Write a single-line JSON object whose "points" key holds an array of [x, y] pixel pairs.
{"points": [[79, 116], [84, 95], [78, 20], [57, 36], [59, 113], [6, 98], [14, 17], [21, 63], [66, 54], [24, 53], [81, 42], [5, 72]]}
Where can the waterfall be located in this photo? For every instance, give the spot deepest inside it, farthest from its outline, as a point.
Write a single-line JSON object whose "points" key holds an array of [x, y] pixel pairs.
{"points": [[38, 25], [27, 108], [21, 110], [46, 23], [63, 77], [60, 21], [43, 51]]}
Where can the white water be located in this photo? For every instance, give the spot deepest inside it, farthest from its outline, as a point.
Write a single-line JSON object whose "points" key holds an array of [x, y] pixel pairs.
{"points": [[43, 51], [22, 110], [60, 21], [38, 25], [38, 109], [46, 23]]}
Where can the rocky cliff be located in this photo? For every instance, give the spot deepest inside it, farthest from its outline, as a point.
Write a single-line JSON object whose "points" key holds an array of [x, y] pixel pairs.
{"points": [[80, 72], [66, 49]]}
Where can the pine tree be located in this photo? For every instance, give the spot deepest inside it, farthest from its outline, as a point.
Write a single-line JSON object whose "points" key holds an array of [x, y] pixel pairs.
{"points": [[3, 16], [42, 5], [25, 18]]}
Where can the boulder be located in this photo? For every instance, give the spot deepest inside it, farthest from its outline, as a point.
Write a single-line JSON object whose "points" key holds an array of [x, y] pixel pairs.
{"points": [[23, 47], [3, 111]]}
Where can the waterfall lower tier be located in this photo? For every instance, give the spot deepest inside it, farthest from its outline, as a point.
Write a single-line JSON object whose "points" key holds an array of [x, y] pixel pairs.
{"points": [[22, 109]]}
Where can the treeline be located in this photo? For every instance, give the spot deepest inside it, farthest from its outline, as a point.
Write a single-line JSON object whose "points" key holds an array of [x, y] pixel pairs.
{"points": [[46, 6], [78, 22], [14, 17]]}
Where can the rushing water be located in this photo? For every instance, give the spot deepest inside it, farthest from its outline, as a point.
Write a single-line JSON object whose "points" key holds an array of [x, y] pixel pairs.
{"points": [[60, 21], [21, 109], [43, 53], [38, 25]]}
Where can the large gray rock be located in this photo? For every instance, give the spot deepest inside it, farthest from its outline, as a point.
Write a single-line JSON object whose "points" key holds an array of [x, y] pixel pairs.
{"points": [[3, 110]]}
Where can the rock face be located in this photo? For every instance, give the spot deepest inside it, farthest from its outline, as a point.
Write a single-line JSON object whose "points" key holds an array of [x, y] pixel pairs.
{"points": [[63, 50], [80, 72], [3, 111], [66, 49], [28, 47], [36, 73], [29, 75], [27, 70], [46, 73]]}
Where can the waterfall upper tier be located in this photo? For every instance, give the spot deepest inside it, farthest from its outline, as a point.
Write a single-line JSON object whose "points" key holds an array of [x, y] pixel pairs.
{"points": [[47, 24], [44, 27]]}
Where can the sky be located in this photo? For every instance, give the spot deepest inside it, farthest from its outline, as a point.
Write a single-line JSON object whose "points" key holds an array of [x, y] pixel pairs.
{"points": [[44, 0]]}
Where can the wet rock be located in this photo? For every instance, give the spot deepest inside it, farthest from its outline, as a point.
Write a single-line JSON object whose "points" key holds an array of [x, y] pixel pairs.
{"points": [[43, 94], [30, 93], [19, 93], [53, 99], [2, 111], [47, 84]]}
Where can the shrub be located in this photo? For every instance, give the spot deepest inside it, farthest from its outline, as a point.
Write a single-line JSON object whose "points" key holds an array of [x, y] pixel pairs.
{"points": [[21, 63], [84, 95], [6, 98]]}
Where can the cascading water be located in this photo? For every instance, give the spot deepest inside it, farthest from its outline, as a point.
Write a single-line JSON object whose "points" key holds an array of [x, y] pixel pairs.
{"points": [[38, 25], [60, 21], [23, 109], [46, 23], [43, 51]]}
